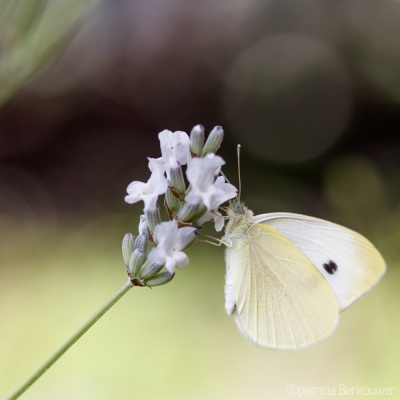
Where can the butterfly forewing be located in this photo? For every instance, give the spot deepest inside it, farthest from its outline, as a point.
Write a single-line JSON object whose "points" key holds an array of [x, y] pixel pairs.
{"points": [[347, 260], [282, 301]]}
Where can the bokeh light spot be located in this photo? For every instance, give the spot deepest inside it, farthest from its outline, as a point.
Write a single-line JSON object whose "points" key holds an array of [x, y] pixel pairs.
{"points": [[287, 98]]}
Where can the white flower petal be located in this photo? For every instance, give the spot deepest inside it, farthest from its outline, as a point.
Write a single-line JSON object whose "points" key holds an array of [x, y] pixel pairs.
{"points": [[136, 192], [170, 240], [219, 222], [183, 237], [181, 259], [149, 192], [156, 164], [227, 191], [182, 147], [165, 233], [174, 149], [201, 174], [207, 216], [157, 256]]}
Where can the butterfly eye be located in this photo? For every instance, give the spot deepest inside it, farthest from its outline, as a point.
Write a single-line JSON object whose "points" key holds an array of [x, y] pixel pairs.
{"points": [[237, 208], [330, 267]]}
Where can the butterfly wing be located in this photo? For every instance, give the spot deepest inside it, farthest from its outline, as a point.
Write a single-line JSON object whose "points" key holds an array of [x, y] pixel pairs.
{"points": [[282, 300], [347, 260]]}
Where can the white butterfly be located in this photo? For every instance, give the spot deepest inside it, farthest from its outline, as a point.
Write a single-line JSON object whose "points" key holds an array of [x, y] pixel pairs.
{"points": [[288, 275]]}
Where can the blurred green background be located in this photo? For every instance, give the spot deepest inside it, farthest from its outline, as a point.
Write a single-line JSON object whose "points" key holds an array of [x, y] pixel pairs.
{"points": [[311, 89]]}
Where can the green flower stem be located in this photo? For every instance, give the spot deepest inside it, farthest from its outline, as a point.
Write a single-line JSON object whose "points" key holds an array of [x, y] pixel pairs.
{"points": [[85, 327]]}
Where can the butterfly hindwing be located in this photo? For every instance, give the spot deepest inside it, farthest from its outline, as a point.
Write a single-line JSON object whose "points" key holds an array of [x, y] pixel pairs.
{"points": [[282, 301]]}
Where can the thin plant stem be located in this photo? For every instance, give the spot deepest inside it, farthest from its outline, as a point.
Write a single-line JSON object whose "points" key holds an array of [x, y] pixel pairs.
{"points": [[85, 327]]}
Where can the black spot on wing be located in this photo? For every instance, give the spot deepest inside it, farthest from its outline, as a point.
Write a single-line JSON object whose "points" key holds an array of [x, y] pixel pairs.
{"points": [[330, 267]]}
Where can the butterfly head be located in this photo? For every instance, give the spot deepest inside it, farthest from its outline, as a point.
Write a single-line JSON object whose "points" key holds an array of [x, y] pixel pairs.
{"points": [[237, 209]]}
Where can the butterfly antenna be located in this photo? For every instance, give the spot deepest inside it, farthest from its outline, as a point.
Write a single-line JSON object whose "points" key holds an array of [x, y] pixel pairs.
{"points": [[224, 176], [240, 181]]}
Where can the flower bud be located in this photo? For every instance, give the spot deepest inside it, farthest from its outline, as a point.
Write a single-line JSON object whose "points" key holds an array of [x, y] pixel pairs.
{"points": [[141, 243], [197, 140], [152, 218], [172, 201], [136, 262], [177, 181], [214, 141], [160, 279], [127, 247], [142, 225], [191, 212], [149, 270]]}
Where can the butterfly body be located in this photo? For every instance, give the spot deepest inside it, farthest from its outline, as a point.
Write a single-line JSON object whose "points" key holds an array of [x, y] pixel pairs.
{"points": [[288, 275]]}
